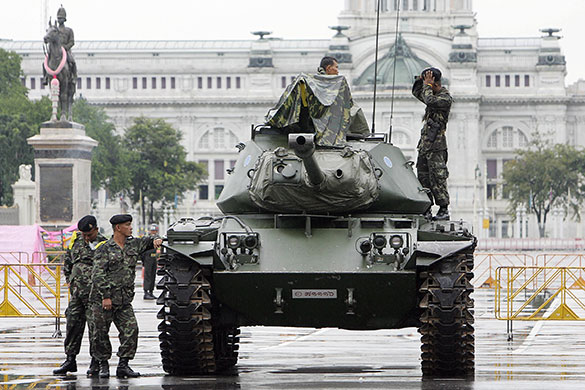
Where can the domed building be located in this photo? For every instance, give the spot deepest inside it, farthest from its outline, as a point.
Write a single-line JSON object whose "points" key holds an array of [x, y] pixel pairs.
{"points": [[503, 89]]}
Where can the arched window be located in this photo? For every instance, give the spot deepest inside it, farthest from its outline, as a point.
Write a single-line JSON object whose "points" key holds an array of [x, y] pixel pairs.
{"points": [[218, 139], [506, 138], [400, 138]]}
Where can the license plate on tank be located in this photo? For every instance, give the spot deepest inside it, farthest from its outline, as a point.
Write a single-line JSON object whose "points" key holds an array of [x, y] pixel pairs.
{"points": [[314, 294]]}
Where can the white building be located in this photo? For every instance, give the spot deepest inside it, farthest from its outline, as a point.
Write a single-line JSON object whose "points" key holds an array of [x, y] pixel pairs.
{"points": [[504, 89]]}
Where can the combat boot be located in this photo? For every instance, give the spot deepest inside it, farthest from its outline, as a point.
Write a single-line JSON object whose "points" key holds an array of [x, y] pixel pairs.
{"points": [[69, 365], [442, 214], [148, 295], [104, 369], [124, 370], [94, 369]]}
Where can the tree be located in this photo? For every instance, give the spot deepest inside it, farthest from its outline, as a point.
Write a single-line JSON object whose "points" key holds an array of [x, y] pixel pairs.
{"points": [[544, 177], [158, 169], [20, 119], [108, 165]]}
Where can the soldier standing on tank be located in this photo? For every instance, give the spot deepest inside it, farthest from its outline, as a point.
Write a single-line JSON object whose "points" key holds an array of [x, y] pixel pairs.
{"points": [[77, 267], [328, 66], [431, 164], [149, 265], [112, 292], [67, 41]]}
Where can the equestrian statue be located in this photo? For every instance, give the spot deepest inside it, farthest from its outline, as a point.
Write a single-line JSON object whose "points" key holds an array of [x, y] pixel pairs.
{"points": [[59, 68]]}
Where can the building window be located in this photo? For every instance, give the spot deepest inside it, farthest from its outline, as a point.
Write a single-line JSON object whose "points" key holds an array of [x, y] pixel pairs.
{"points": [[228, 82], [205, 164], [144, 81], [497, 80], [492, 169], [526, 80], [218, 189], [33, 83], [283, 82], [41, 84], [79, 83], [507, 80], [23, 81], [507, 229], [98, 83], [405, 5], [233, 163], [522, 140], [491, 191], [218, 165], [209, 81], [163, 83], [218, 138], [172, 83], [200, 82], [488, 81], [517, 80], [507, 137], [134, 82], [88, 82], [203, 192], [107, 83], [238, 83], [153, 82], [492, 142], [218, 80]]}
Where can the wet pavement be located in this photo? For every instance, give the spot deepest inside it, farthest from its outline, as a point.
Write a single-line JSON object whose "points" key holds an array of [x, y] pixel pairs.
{"points": [[542, 355]]}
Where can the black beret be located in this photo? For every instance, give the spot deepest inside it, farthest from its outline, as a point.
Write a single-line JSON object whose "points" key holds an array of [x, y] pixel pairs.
{"points": [[436, 73], [120, 218], [86, 223]]}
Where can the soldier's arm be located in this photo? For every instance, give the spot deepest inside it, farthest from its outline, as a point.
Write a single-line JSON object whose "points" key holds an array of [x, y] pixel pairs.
{"points": [[101, 279], [71, 42], [67, 264], [417, 89], [145, 243], [440, 100]]}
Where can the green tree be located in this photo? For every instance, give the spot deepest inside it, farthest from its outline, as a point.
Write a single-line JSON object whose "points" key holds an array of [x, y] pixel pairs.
{"points": [[159, 170], [20, 119], [108, 164], [546, 176]]}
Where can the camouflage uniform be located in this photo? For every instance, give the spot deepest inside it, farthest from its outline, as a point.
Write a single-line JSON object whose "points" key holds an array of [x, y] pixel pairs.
{"points": [[77, 267], [114, 272], [431, 164]]}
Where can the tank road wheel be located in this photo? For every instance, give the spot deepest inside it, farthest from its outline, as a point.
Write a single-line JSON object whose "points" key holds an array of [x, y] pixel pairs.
{"points": [[190, 343], [448, 343]]}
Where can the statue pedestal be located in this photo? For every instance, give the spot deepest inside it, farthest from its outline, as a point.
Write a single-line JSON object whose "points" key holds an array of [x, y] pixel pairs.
{"points": [[63, 173]]}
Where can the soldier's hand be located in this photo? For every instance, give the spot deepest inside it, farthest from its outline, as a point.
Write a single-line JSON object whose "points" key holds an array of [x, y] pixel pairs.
{"points": [[157, 243], [107, 304], [429, 79]]}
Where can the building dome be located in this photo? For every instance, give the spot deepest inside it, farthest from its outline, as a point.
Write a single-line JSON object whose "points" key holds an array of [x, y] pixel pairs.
{"points": [[408, 65]]}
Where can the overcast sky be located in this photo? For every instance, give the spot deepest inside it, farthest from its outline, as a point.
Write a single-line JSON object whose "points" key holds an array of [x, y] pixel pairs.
{"points": [[305, 19]]}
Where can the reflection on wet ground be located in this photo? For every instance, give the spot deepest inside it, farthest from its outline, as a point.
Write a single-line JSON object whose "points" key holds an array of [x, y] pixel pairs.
{"points": [[543, 355]]}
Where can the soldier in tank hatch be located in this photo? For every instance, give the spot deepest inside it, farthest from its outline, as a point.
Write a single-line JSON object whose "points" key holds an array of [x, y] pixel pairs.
{"points": [[328, 66], [77, 267], [112, 292], [149, 265], [432, 158]]}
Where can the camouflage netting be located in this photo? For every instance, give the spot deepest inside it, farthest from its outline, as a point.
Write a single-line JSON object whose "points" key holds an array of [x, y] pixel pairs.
{"points": [[329, 104]]}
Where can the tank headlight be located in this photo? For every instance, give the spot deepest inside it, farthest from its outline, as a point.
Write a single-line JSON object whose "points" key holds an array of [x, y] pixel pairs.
{"points": [[379, 242], [396, 242], [233, 241], [365, 246], [251, 242]]}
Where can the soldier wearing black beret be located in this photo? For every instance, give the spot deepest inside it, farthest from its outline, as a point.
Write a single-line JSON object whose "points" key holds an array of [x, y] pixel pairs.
{"points": [[77, 267], [112, 293]]}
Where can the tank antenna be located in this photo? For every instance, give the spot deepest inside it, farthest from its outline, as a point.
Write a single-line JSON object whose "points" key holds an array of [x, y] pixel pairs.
{"points": [[376, 66], [394, 73]]}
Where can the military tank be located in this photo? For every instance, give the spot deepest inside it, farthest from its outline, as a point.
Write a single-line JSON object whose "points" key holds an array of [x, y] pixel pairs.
{"points": [[323, 226]]}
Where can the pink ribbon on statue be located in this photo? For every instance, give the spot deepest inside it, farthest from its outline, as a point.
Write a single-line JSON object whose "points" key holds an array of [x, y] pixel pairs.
{"points": [[55, 72]]}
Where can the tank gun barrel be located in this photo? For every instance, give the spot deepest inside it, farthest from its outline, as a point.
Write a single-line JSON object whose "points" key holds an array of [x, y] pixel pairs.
{"points": [[303, 144]]}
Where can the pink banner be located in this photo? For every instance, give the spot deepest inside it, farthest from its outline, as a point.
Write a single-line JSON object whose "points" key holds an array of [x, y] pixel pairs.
{"points": [[21, 244]]}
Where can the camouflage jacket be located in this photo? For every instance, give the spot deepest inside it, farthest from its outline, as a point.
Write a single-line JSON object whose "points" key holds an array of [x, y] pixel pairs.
{"points": [[78, 263], [437, 111], [114, 269]]}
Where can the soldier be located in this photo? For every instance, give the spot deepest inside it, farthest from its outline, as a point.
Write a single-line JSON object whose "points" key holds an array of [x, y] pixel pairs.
{"points": [[78, 263], [431, 164], [112, 292], [328, 66], [149, 265]]}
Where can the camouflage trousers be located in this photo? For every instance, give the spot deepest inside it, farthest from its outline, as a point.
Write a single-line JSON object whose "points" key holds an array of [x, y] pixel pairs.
{"points": [[77, 314], [432, 173], [123, 317]]}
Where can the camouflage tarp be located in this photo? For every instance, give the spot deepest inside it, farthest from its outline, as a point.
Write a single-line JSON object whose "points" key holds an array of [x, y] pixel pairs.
{"points": [[329, 105]]}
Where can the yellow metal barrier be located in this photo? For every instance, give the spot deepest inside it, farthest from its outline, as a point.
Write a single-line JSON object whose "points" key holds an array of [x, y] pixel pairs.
{"points": [[563, 260], [485, 265], [41, 299]]}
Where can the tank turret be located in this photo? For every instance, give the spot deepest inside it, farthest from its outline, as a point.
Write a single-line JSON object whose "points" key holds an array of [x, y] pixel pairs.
{"points": [[304, 148]]}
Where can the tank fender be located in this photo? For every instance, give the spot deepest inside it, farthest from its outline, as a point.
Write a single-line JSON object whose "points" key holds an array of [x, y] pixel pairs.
{"points": [[430, 252], [201, 252]]}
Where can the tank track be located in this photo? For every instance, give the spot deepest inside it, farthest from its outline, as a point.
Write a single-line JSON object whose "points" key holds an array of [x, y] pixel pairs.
{"points": [[447, 333], [191, 342]]}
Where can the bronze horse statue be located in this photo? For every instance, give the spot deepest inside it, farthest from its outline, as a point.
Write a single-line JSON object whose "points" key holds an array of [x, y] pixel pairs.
{"points": [[56, 67]]}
